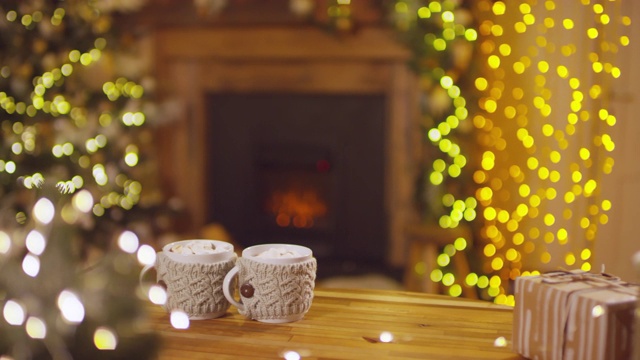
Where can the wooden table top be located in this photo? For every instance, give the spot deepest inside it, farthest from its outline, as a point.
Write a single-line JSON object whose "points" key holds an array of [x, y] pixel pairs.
{"points": [[347, 324]]}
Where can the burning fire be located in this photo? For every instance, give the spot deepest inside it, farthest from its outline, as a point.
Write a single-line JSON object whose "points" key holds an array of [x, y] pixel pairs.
{"points": [[297, 208]]}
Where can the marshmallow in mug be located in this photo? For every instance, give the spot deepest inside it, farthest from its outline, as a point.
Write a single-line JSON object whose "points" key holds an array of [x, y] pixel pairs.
{"points": [[278, 253], [196, 248]]}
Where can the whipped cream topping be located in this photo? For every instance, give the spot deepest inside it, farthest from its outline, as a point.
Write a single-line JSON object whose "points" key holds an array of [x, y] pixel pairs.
{"points": [[278, 253], [196, 248]]}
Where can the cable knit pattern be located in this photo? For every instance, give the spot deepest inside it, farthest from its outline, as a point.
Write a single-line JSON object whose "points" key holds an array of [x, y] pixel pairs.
{"points": [[279, 290], [194, 288]]}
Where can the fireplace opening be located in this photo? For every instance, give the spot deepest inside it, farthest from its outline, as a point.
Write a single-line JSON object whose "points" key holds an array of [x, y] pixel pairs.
{"points": [[305, 169], [295, 190]]}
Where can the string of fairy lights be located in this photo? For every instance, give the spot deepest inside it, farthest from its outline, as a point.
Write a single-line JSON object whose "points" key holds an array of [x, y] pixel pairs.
{"points": [[442, 34], [546, 133], [544, 129]]}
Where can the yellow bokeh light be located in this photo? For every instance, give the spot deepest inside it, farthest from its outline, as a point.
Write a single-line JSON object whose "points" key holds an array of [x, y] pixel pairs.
{"points": [[436, 275], [570, 259], [545, 258], [460, 244], [567, 23], [443, 260], [36, 328], [494, 62], [489, 250], [495, 281], [105, 339], [471, 279], [497, 263], [448, 279], [499, 8], [455, 290]]}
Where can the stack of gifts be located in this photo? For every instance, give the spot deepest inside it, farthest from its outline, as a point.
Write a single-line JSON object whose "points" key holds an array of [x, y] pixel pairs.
{"points": [[574, 315]]}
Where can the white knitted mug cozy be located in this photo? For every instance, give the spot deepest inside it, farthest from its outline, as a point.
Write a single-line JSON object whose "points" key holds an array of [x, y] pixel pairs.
{"points": [[274, 291], [195, 288]]}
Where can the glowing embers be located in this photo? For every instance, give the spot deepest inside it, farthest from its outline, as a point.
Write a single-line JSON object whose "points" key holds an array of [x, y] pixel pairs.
{"points": [[296, 206]]}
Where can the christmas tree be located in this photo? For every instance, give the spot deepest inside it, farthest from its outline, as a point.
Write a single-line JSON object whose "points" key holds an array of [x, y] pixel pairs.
{"points": [[74, 153]]}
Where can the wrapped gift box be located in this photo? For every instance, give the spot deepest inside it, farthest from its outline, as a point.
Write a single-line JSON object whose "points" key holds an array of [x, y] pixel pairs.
{"points": [[574, 315]]}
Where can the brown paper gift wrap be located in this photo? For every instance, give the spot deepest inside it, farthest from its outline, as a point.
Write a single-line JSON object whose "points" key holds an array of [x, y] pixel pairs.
{"points": [[573, 316]]}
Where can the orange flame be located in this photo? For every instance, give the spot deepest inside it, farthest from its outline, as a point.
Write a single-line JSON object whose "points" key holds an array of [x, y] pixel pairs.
{"points": [[296, 208]]}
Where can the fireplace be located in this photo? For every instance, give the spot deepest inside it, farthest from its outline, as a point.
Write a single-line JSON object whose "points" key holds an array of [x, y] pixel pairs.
{"points": [[301, 168], [263, 106]]}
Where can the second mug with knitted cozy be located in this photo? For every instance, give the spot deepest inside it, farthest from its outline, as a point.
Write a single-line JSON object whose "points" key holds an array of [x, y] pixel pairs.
{"points": [[275, 282], [192, 271]]}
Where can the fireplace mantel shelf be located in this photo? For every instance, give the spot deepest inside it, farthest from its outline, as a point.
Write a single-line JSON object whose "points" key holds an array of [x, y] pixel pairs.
{"points": [[347, 324]]}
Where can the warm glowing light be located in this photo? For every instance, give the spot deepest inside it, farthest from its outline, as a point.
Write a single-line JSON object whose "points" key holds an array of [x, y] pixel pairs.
{"points": [[36, 328], [146, 255], [35, 242], [597, 311], [83, 201], [386, 337], [157, 295], [500, 342], [179, 319], [131, 159], [443, 260], [105, 339], [128, 242], [14, 313], [291, 355], [5, 242], [297, 207], [455, 290], [44, 210], [71, 307], [31, 265]]}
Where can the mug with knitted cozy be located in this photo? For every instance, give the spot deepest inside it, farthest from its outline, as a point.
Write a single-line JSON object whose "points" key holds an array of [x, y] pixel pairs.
{"points": [[276, 282], [192, 271]]}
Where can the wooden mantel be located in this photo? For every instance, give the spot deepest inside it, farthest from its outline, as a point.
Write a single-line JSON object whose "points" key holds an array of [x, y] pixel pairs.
{"points": [[192, 61]]}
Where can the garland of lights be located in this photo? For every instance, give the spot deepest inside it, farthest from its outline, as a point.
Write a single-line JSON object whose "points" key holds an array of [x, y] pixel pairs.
{"points": [[442, 36], [545, 99], [518, 196]]}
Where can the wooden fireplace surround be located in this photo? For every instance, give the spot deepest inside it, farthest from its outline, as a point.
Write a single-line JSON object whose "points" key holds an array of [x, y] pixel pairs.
{"points": [[192, 61]]}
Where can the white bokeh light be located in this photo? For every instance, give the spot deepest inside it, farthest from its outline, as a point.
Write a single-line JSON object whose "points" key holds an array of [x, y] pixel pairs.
{"points": [[291, 355], [10, 167], [44, 210], [128, 242], [36, 328], [597, 311], [31, 265], [13, 313], [500, 341], [146, 255], [83, 201], [386, 337], [35, 242], [5, 242], [157, 295], [70, 306], [179, 319]]}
